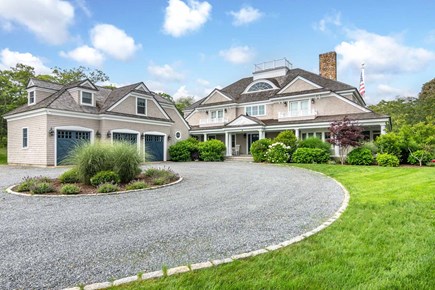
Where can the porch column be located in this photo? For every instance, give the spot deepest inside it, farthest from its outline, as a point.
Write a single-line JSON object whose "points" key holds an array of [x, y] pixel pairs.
{"points": [[383, 129], [261, 134], [297, 133], [336, 150], [205, 137], [323, 136], [228, 144]]}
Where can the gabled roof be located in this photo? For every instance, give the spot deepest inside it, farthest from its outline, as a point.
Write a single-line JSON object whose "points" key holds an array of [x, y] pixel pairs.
{"points": [[244, 120], [34, 82], [236, 90]]}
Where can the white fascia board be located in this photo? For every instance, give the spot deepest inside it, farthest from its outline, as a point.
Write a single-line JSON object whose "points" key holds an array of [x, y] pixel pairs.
{"points": [[302, 79], [367, 122], [300, 96], [24, 115], [351, 102], [172, 107], [143, 86], [89, 83], [216, 91]]}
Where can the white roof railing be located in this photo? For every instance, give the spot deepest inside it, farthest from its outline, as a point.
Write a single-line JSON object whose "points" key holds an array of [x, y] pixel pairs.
{"points": [[283, 62]]}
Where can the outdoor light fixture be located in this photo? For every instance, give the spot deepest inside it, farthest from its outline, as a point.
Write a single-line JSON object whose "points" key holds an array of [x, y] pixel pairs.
{"points": [[312, 101], [51, 132], [109, 134], [142, 136], [206, 112], [225, 110], [285, 104], [98, 134], [169, 138]]}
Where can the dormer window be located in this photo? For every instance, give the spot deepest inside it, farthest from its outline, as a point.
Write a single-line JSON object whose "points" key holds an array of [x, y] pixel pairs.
{"points": [[31, 98], [141, 106], [87, 99], [260, 85]]}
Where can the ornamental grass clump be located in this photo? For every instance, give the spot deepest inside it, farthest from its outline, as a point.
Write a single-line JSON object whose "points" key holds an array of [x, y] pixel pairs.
{"points": [[126, 160], [278, 153]]}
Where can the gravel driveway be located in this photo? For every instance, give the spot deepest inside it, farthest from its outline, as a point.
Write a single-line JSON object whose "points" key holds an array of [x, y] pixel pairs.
{"points": [[219, 209]]}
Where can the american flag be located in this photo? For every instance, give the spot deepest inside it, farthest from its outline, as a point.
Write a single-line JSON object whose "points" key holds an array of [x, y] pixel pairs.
{"points": [[362, 86]]}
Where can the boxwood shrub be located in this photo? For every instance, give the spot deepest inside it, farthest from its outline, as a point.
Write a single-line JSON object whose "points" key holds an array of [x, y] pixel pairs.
{"points": [[314, 142], [387, 160], [105, 177], [185, 150], [360, 156], [70, 189], [70, 176], [212, 150], [259, 149], [289, 139], [310, 155], [107, 187]]}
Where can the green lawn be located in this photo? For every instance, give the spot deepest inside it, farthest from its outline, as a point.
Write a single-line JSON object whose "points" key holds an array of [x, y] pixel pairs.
{"points": [[384, 240], [3, 156]]}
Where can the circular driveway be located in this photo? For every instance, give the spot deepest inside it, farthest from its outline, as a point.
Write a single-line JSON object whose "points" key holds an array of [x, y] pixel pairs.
{"points": [[218, 210]]}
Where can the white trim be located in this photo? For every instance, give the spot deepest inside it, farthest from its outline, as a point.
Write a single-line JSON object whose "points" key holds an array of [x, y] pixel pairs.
{"points": [[92, 98], [258, 109], [24, 115], [176, 135], [350, 102], [212, 93], [274, 87], [70, 128], [172, 107], [34, 97], [297, 79], [146, 106], [89, 83], [143, 86], [300, 96], [126, 131], [165, 142], [145, 96], [27, 138]]}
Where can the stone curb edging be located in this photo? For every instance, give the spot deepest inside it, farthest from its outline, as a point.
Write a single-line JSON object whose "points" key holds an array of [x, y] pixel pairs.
{"points": [[212, 263], [9, 190]]}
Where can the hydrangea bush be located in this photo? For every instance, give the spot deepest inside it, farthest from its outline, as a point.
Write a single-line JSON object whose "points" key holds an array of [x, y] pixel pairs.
{"points": [[278, 152]]}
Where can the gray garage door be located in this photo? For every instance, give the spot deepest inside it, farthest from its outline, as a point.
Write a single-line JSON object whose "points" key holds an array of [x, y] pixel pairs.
{"points": [[67, 140], [128, 137], [154, 147]]}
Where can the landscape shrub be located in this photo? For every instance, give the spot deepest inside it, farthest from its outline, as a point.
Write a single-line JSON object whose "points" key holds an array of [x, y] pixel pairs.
{"points": [[105, 177], [314, 142], [126, 160], [160, 181], [160, 176], [26, 184], [259, 149], [107, 187], [387, 160], [310, 155], [70, 189], [360, 156], [185, 150], [371, 146], [212, 150], [42, 187], [70, 176], [390, 143], [289, 139], [136, 185], [422, 155], [278, 153]]}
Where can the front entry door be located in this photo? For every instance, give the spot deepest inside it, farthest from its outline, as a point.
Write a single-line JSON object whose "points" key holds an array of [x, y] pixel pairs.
{"points": [[251, 139]]}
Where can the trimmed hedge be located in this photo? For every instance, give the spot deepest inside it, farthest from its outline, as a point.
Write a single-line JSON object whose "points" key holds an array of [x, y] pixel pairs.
{"points": [[310, 155], [360, 156], [212, 150], [314, 142], [186, 150], [259, 149], [289, 139], [387, 160]]}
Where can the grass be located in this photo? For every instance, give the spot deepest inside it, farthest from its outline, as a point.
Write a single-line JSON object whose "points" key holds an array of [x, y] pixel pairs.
{"points": [[3, 155], [385, 239]]}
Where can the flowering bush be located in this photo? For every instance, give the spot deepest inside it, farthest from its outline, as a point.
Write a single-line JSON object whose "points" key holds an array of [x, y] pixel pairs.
{"points": [[278, 153], [259, 149]]}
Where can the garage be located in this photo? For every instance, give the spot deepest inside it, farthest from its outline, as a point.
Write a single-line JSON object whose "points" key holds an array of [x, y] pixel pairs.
{"points": [[67, 140], [154, 145], [127, 137]]}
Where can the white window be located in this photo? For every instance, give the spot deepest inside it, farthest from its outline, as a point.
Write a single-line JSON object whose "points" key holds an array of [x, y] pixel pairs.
{"points": [[31, 98], [141, 106], [299, 108], [178, 135], [260, 86], [258, 110], [25, 138], [219, 114], [87, 98]]}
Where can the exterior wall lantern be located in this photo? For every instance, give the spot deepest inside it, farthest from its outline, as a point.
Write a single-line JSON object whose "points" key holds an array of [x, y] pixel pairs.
{"points": [[98, 134], [169, 138], [109, 134], [51, 132], [206, 112], [225, 110], [312, 101], [142, 136]]}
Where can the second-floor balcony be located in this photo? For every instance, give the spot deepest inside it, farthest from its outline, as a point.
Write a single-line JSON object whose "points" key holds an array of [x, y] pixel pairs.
{"points": [[297, 115], [212, 122]]}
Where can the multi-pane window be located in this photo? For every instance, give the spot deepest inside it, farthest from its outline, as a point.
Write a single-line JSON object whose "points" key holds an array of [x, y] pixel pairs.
{"points": [[257, 110], [141, 106], [31, 97], [219, 114], [25, 137], [299, 108], [261, 86], [86, 98]]}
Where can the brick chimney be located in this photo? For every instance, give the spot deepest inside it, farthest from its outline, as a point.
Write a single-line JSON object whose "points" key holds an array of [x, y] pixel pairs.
{"points": [[328, 65]]}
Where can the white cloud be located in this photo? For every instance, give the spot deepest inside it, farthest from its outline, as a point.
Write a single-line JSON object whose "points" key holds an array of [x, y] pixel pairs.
{"points": [[10, 58], [181, 92], [238, 54], [245, 15], [165, 72], [85, 55], [113, 41], [48, 19], [383, 54], [332, 18], [155, 86], [203, 82], [181, 18], [84, 7]]}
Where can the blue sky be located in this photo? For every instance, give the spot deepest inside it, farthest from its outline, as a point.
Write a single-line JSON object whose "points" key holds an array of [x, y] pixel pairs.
{"points": [[190, 47]]}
